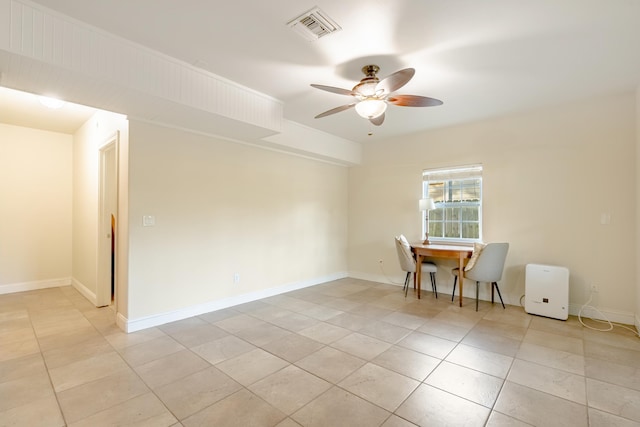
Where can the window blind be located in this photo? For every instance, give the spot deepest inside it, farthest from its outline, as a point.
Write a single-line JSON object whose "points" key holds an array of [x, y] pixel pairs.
{"points": [[449, 174]]}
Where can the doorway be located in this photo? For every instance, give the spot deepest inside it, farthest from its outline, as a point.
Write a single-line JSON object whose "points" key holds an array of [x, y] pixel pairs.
{"points": [[108, 223]]}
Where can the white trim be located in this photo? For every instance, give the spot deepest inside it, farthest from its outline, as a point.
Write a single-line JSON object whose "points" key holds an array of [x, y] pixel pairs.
{"points": [[148, 76], [86, 292], [453, 172], [612, 316], [103, 249], [162, 318], [574, 309], [444, 286], [34, 285], [133, 325], [380, 278], [121, 321]]}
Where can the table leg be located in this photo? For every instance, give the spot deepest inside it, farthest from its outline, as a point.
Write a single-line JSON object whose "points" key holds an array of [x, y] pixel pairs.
{"points": [[461, 275], [418, 273]]}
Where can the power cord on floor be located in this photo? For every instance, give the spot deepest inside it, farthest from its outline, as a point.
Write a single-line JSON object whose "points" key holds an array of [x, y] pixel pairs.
{"points": [[605, 321], [381, 264]]}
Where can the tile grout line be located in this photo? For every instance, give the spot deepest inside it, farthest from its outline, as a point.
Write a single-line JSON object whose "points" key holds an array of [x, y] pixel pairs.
{"points": [[44, 361], [250, 312]]}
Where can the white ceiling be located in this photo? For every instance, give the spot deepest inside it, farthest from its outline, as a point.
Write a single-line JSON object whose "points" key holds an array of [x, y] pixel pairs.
{"points": [[24, 109], [482, 58]]}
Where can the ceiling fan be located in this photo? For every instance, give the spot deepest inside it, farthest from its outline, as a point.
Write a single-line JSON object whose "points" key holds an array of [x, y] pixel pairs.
{"points": [[373, 95]]}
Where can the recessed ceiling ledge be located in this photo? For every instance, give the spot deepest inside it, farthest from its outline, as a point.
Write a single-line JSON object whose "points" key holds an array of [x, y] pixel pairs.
{"points": [[42, 48]]}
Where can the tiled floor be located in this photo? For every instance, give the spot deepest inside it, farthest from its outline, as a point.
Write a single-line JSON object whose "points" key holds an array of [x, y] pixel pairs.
{"points": [[345, 353]]}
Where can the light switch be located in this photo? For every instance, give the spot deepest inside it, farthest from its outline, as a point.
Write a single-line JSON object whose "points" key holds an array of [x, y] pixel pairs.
{"points": [[148, 221], [605, 218]]}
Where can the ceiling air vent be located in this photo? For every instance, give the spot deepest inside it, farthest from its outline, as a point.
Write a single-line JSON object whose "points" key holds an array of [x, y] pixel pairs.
{"points": [[313, 24]]}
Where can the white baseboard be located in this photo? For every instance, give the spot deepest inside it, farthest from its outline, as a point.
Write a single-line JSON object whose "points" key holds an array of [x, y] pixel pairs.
{"points": [[132, 325], [88, 294], [34, 285], [379, 278], [605, 314], [121, 321], [444, 286], [574, 309]]}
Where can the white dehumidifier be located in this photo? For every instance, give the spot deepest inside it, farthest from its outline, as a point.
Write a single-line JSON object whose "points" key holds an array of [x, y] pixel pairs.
{"points": [[547, 291]]}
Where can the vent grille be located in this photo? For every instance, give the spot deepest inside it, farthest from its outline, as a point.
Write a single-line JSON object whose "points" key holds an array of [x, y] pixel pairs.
{"points": [[313, 24]]}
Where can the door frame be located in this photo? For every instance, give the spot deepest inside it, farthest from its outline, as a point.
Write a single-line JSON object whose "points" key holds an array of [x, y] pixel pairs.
{"points": [[104, 268]]}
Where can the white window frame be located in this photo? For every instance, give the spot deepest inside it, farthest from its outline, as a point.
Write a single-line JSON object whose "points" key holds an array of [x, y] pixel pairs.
{"points": [[445, 176]]}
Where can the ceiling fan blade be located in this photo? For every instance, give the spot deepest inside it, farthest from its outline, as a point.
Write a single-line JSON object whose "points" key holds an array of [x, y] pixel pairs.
{"points": [[332, 89], [335, 110], [377, 120], [395, 81], [413, 101]]}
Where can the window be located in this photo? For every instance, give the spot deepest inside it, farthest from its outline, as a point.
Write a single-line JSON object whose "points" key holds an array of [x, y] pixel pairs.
{"points": [[457, 195]]}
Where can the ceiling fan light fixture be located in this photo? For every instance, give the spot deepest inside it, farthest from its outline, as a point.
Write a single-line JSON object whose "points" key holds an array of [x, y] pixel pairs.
{"points": [[371, 108], [366, 89]]}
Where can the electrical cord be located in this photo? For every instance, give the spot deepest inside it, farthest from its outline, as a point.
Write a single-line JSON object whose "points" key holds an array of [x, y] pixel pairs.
{"points": [[380, 263], [606, 321]]}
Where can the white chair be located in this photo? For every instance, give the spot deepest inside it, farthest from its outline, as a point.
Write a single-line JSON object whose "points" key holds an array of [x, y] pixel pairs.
{"points": [[408, 264], [486, 265]]}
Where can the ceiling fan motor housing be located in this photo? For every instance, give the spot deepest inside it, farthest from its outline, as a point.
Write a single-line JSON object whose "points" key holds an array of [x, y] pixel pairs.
{"points": [[370, 70], [367, 86]]}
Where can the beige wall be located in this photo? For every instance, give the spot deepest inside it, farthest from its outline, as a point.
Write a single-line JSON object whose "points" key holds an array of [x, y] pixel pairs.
{"points": [[85, 208], [35, 208], [548, 176], [637, 194], [86, 144], [223, 208]]}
